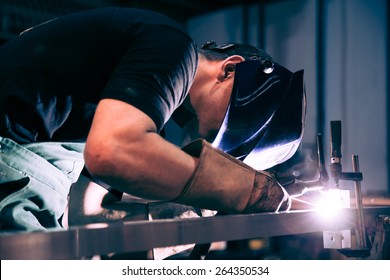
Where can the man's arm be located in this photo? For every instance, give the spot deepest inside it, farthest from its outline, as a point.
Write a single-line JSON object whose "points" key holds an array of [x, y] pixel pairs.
{"points": [[124, 150]]}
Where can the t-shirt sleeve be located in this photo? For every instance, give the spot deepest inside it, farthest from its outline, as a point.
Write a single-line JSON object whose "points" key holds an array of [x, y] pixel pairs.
{"points": [[155, 71]]}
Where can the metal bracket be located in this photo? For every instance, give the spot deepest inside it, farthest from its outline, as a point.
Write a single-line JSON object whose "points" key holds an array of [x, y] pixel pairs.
{"points": [[342, 238]]}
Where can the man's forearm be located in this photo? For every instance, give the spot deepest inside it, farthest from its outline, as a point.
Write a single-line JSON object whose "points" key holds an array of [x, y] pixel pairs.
{"points": [[124, 151], [150, 168]]}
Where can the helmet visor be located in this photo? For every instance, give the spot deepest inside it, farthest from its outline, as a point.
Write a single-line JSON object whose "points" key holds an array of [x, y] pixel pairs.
{"points": [[264, 122]]}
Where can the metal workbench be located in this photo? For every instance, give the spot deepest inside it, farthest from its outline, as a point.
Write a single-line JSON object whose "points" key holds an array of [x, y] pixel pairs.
{"points": [[117, 237]]}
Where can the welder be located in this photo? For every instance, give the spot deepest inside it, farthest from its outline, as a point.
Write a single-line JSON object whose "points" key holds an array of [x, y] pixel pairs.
{"points": [[92, 91]]}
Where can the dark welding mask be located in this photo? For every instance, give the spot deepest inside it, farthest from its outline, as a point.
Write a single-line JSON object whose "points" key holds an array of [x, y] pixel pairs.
{"points": [[264, 122], [265, 119]]}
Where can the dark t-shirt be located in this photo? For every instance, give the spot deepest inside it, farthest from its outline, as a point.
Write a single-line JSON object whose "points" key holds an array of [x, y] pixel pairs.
{"points": [[53, 75]]}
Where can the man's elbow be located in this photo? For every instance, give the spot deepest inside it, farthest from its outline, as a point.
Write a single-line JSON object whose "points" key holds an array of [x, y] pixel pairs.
{"points": [[112, 165], [98, 161]]}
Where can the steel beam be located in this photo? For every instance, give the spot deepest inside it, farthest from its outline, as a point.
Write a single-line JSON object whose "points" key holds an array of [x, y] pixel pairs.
{"points": [[99, 239]]}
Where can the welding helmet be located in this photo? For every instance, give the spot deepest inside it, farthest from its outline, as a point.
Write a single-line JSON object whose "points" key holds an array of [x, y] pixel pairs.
{"points": [[264, 122]]}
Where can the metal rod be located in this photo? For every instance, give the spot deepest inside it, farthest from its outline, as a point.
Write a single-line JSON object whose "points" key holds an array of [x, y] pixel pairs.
{"points": [[361, 238], [303, 201]]}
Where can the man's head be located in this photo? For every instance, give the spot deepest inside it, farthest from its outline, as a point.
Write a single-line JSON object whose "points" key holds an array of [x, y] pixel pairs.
{"points": [[210, 92], [245, 102]]}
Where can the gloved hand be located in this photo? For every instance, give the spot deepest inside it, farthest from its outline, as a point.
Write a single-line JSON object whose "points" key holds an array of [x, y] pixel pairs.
{"points": [[267, 195], [221, 182]]}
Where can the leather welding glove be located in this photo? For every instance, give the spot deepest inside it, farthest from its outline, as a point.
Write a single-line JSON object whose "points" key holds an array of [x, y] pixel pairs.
{"points": [[221, 182]]}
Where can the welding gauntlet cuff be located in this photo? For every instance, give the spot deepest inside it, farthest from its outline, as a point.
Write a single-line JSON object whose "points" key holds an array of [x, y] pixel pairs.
{"points": [[221, 182]]}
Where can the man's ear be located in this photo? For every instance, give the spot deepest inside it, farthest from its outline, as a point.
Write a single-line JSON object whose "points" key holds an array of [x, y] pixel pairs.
{"points": [[228, 67]]}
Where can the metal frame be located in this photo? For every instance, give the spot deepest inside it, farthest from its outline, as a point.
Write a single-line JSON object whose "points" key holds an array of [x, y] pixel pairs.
{"points": [[119, 237]]}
